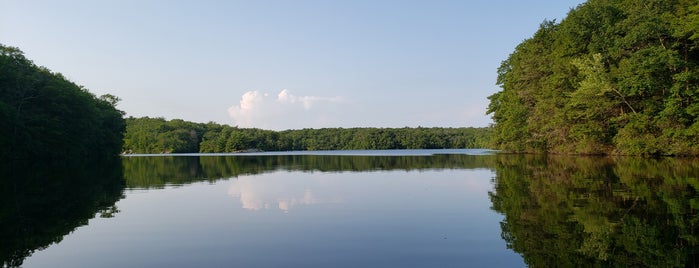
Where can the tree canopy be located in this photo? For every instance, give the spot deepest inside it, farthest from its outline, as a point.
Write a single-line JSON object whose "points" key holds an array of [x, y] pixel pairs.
{"points": [[613, 77], [157, 135], [43, 115]]}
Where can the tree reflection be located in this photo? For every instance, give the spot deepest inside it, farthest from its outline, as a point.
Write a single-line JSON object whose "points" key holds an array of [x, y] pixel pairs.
{"points": [[157, 172], [43, 202], [592, 211]]}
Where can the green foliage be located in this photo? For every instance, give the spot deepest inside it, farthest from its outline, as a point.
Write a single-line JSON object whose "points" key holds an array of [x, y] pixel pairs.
{"points": [[157, 135], [614, 77], [45, 116]]}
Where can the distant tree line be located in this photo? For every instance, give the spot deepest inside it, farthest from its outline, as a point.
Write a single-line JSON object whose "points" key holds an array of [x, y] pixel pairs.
{"points": [[157, 135], [43, 115], [613, 77]]}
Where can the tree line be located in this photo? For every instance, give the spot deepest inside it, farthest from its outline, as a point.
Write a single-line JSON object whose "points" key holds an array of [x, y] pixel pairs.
{"points": [[613, 77], [157, 135]]}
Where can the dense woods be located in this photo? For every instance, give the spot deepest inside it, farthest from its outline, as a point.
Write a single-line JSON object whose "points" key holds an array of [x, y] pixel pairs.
{"points": [[45, 116], [157, 135], [613, 77]]}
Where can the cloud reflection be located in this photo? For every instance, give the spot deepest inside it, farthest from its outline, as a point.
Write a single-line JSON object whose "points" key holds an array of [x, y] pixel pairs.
{"points": [[264, 193], [282, 191]]}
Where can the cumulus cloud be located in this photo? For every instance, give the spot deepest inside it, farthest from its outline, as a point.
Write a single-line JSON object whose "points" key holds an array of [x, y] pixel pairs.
{"points": [[286, 111], [307, 101]]}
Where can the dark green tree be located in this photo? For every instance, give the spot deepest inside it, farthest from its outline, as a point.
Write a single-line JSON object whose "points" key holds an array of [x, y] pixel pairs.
{"points": [[613, 77], [45, 116]]}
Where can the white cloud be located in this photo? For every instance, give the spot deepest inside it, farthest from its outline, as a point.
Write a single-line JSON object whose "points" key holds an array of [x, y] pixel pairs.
{"points": [[285, 96], [244, 113], [287, 111]]}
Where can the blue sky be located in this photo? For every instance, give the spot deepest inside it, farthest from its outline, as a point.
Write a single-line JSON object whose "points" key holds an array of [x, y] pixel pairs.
{"points": [[283, 64]]}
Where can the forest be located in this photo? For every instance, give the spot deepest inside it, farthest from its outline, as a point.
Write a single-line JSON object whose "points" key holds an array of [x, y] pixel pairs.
{"points": [[157, 135], [43, 115], [613, 77]]}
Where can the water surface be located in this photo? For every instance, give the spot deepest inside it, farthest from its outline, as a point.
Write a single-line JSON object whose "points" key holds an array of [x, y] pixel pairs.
{"points": [[452, 208], [295, 210]]}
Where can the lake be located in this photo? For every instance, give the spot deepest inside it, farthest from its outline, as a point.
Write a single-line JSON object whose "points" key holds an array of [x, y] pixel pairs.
{"points": [[401, 208]]}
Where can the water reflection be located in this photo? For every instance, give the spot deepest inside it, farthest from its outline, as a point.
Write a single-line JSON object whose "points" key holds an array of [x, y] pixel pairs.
{"points": [[587, 212], [43, 202], [158, 172], [558, 211], [268, 193], [282, 192]]}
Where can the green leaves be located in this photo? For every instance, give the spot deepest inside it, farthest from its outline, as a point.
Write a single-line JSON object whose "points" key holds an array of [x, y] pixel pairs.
{"points": [[45, 116], [572, 87]]}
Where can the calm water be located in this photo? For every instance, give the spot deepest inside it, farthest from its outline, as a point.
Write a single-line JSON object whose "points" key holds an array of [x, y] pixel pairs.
{"points": [[451, 208]]}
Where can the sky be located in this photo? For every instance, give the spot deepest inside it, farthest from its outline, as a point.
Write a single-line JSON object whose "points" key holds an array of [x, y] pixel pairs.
{"points": [[285, 64]]}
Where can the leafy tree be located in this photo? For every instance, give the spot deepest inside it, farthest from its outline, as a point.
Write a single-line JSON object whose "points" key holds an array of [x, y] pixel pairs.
{"points": [[45, 116], [613, 77]]}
